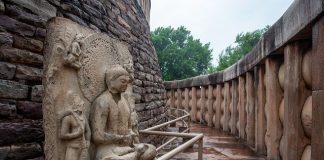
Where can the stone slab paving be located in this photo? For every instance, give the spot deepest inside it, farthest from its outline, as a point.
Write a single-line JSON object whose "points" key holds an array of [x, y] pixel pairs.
{"points": [[218, 146]]}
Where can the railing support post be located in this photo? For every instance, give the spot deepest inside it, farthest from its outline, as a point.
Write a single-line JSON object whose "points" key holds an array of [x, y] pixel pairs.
{"points": [[273, 99], [200, 149], [203, 105], [295, 95], [260, 128], [210, 106], [318, 90], [179, 98], [193, 111], [226, 107], [234, 107], [250, 109], [241, 108]]}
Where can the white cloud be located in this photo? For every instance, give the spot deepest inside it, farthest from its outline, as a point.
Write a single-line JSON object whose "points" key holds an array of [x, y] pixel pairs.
{"points": [[217, 21]]}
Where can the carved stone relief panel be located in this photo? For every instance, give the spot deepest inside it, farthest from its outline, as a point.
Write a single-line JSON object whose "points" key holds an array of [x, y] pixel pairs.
{"points": [[88, 92]]}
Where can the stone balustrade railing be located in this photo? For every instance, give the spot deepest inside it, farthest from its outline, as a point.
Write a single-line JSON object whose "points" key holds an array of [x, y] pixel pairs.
{"points": [[272, 98]]}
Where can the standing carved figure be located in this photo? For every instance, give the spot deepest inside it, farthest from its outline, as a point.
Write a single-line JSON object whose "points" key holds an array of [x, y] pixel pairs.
{"points": [[113, 122], [75, 130]]}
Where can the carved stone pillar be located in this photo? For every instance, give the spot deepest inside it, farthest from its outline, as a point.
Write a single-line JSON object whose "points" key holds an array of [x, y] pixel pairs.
{"points": [[273, 99], [226, 107], [295, 95], [241, 106], [203, 105], [260, 128], [179, 105], [234, 107], [218, 106], [194, 104], [318, 90], [250, 126], [186, 100], [210, 106]]}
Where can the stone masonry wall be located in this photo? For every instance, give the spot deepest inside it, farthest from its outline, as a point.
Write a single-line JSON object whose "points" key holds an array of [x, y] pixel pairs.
{"points": [[22, 34]]}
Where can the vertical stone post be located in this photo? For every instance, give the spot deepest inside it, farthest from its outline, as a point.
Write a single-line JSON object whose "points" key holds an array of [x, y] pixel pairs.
{"points": [[260, 128], [318, 90], [226, 109], [273, 100], [234, 107], [210, 105], [194, 104], [172, 104], [179, 101], [250, 126], [218, 105], [295, 95], [203, 105], [241, 105], [186, 100]]}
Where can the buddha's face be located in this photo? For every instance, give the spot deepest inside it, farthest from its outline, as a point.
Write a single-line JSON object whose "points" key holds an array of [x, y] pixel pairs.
{"points": [[119, 84]]}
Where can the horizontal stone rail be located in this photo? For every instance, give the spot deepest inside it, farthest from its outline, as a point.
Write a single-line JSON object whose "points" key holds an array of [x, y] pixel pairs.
{"points": [[273, 97]]}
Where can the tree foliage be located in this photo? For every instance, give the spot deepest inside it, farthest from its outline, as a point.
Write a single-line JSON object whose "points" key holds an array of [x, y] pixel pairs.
{"points": [[243, 44], [180, 54]]}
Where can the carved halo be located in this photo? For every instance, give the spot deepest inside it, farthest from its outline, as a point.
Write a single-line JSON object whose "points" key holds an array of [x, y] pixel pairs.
{"points": [[99, 53]]}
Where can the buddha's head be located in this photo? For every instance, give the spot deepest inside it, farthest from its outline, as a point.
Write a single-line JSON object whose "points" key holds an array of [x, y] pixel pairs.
{"points": [[117, 79]]}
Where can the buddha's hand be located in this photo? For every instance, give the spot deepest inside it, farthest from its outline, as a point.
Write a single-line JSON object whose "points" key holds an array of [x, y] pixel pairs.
{"points": [[140, 148], [127, 138]]}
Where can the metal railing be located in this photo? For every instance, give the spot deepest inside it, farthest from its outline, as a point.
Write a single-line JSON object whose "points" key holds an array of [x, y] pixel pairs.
{"points": [[192, 137]]}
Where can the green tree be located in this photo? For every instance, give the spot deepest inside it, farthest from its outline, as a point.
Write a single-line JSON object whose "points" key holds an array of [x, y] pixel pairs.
{"points": [[180, 54], [243, 44]]}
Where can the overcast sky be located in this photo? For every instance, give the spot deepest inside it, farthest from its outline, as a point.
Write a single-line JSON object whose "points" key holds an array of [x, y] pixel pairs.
{"points": [[217, 21]]}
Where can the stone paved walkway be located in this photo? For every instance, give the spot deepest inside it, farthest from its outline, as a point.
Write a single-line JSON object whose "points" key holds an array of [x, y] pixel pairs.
{"points": [[218, 146]]}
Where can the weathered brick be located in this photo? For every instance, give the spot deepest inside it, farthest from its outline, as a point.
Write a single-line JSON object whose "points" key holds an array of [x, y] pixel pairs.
{"points": [[74, 9], [132, 16], [40, 33], [24, 151], [7, 70], [98, 23], [38, 7], [121, 5], [13, 25], [149, 77], [23, 15], [24, 132], [6, 39], [7, 109], [21, 56], [91, 11], [75, 18], [4, 151], [37, 93], [94, 27], [28, 43], [29, 73], [138, 82], [30, 110], [140, 107], [122, 22], [11, 89], [98, 5]]}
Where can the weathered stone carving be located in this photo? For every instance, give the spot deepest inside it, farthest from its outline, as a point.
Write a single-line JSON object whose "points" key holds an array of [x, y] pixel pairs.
{"points": [[113, 120], [87, 80], [74, 129], [72, 58]]}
